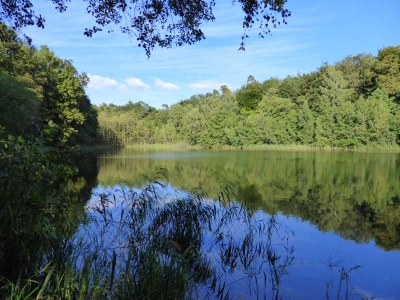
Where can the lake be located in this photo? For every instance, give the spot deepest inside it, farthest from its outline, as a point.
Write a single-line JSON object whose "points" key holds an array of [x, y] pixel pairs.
{"points": [[343, 209]]}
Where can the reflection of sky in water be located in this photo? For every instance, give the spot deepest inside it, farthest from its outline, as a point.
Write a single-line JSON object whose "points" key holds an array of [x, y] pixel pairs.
{"points": [[166, 192], [319, 257], [377, 276]]}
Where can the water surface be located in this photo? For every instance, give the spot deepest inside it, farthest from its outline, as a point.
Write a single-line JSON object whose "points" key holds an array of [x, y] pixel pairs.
{"points": [[344, 208]]}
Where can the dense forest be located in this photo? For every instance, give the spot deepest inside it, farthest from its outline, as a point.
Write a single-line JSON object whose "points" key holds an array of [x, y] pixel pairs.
{"points": [[43, 96], [353, 103], [44, 113]]}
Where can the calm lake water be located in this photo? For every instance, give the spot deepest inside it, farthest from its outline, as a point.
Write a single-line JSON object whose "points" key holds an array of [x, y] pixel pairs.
{"points": [[343, 208]]}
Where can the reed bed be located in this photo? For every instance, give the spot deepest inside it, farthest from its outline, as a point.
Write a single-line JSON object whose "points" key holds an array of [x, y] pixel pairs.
{"points": [[163, 244]]}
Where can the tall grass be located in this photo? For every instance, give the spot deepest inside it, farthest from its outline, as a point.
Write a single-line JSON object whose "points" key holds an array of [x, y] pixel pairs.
{"points": [[174, 146], [292, 147], [162, 244]]}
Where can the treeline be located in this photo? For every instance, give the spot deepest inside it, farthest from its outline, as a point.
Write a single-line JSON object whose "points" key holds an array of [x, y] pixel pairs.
{"points": [[42, 96], [43, 111], [352, 103]]}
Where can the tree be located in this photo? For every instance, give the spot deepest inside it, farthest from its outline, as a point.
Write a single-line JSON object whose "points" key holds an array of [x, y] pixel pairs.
{"points": [[290, 87], [305, 125], [358, 72], [328, 101], [278, 120], [18, 105], [380, 121], [62, 90], [251, 79], [387, 71], [43, 92], [271, 83], [249, 96], [162, 23], [87, 131]]}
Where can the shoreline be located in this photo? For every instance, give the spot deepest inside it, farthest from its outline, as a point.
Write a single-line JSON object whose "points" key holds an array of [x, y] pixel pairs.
{"points": [[183, 146]]}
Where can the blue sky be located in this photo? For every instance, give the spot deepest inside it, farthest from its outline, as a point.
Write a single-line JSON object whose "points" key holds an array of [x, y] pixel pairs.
{"points": [[318, 31]]}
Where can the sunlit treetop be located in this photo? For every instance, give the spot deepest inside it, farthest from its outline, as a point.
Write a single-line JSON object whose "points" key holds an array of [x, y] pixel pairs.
{"points": [[163, 23]]}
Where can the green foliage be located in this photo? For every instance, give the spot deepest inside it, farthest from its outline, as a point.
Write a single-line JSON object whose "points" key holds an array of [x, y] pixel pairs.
{"points": [[379, 120], [226, 92], [62, 92], [277, 121], [339, 106], [249, 96], [41, 192], [44, 92], [18, 105], [42, 106], [87, 130], [26, 170], [160, 23], [272, 83], [387, 71], [329, 102], [305, 125], [358, 73], [291, 87]]}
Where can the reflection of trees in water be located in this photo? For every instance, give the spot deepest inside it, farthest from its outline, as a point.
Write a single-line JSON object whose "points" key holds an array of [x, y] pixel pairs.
{"points": [[186, 247], [146, 250], [354, 194], [41, 207]]}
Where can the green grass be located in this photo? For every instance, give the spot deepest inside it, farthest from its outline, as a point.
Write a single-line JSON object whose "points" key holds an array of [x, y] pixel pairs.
{"points": [[177, 146], [282, 147], [95, 148], [293, 147]]}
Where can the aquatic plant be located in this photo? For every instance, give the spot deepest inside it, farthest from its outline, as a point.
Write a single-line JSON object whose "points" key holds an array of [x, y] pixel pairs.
{"points": [[159, 243], [162, 244]]}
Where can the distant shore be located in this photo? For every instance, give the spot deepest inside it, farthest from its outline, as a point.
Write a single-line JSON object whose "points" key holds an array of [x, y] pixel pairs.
{"points": [[184, 146]]}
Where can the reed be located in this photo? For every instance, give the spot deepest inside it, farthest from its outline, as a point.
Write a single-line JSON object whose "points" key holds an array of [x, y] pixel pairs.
{"points": [[158, 244], [266, 147]]}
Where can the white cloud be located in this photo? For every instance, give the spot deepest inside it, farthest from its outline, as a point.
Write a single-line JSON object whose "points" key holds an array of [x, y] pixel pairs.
{"points": [[136, 82], [99, 82], [206, 85], [122, 87], [166, 85]]}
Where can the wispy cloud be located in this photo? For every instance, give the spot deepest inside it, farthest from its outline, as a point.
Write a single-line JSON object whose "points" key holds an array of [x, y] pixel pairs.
{"points": [[137, 83], [99, 82], [122, 87], [309, 39], [166, 85], [206, 85]]}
